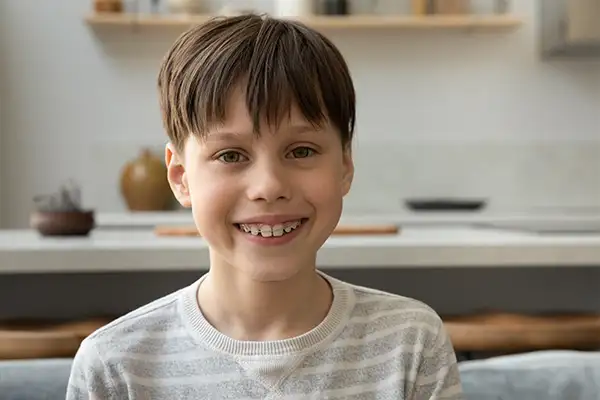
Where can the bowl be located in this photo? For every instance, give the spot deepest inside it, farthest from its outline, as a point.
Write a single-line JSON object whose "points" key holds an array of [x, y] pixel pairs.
{"points": [[63, 223], [445, 204]]}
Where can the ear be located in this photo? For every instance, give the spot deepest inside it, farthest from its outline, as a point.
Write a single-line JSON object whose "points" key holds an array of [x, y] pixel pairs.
{"points": [[348, 170], [177, 176]]}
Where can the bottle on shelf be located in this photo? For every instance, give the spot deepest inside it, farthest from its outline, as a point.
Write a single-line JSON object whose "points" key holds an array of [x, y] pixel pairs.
{"points": [[102, 6], [451, 7], [335, 7], [293, 8], [420, 7]]}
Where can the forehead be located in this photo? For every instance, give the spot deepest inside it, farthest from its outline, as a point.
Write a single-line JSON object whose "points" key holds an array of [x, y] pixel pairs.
{"points": [[238, 118]]}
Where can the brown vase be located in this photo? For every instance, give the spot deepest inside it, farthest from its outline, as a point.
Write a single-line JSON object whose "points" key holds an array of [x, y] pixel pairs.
{"points": [[144, 184]]}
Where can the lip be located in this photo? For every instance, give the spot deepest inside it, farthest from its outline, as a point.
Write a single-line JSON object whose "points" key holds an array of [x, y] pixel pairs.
{"points": [[271, 219]]}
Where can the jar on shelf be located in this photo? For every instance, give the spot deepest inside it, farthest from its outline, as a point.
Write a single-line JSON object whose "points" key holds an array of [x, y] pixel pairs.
{"points": [[451, 7], [335, 7], [186, 6], [420, 7], [144, 184], [102, 6], [293, 8]]}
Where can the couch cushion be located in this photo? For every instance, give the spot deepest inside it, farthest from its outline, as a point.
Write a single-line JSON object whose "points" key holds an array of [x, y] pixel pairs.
{"points": [[43, 379], [541, 375]]}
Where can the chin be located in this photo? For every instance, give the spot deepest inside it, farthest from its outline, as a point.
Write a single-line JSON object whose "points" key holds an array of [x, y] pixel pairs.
{"points": [[272, 270]]}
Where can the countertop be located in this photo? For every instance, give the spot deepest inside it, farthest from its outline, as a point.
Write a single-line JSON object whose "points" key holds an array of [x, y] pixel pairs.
{"points": [[24, 251], [120, 220]]}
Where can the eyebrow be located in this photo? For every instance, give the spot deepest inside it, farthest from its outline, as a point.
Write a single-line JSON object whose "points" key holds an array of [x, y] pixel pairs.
{"points": [[304, 128], [225, 135]]}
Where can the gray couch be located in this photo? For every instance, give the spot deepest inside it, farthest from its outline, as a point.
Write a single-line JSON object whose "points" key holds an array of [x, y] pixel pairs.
{"points": [[44, 379], [544, 375]]}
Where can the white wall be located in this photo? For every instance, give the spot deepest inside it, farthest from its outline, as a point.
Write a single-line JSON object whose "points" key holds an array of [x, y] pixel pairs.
{"points": [[2, 72], [439, 113], [2, 193]]}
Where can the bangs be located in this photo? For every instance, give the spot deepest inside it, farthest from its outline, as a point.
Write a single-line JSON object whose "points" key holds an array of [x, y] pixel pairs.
{"points": [[277, 64]]}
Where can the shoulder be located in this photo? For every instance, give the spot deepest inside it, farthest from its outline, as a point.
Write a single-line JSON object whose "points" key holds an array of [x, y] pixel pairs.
{"points": [[386, 320], [385, 310], [411, 331], [156, 317], [144, 330], [103, 355]]}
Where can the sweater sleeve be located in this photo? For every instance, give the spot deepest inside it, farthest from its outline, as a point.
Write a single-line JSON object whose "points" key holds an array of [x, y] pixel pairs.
{"points": [[438, 376], [89, 378]]}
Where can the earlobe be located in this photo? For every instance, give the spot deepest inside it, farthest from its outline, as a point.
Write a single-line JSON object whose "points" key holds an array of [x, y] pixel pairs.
{"points": [[177, 176]]}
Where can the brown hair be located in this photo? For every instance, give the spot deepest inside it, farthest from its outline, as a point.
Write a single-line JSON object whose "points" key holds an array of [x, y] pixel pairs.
{"points": [[280, 62]]}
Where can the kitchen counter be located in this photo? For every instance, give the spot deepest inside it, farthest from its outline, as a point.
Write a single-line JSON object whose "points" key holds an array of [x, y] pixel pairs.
{"points": [[147, 220], [24, 251]]}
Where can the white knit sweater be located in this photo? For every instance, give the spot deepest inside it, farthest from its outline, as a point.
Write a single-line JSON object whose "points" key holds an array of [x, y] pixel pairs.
{"points": [[372, 345]]}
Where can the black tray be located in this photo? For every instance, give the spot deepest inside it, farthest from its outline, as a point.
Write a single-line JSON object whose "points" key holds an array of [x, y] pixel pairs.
{"points": [[445, 204]]}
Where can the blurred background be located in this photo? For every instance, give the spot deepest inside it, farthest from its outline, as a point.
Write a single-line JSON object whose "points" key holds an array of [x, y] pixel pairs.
{"points": [[477, 141], [441, 113]]}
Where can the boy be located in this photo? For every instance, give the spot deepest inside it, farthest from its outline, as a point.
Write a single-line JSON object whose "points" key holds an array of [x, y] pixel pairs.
{"points": [[260, 117]]}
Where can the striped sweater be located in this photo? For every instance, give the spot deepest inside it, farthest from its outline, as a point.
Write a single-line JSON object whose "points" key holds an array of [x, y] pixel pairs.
{"points": [[371, 345]]}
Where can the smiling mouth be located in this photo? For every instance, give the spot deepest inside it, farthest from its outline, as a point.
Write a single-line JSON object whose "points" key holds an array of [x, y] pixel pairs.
{"points": [[266, 230]]}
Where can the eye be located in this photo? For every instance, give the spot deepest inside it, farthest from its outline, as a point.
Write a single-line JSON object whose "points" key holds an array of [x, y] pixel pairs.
{"points": [[302, 152], [229, 157]]}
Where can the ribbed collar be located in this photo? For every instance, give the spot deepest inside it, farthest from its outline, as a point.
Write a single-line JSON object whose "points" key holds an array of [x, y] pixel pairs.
{"points": [[334, 322]]}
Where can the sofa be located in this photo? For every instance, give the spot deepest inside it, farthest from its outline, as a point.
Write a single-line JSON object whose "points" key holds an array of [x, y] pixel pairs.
{"points": [[36, 379], [542, 375]]}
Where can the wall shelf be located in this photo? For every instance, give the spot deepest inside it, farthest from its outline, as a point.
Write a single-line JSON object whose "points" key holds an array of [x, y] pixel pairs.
{"points": [[369, 22]]}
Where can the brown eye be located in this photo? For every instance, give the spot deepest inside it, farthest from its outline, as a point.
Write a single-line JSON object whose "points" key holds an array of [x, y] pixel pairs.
{"points": [[302, 152], [231, 157]]}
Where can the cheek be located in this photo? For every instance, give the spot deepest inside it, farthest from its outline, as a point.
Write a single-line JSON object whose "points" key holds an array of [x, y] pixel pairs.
{"points": [[325, 187], [213, 198]]}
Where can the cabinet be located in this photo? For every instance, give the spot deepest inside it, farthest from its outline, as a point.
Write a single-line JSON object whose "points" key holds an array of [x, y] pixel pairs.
{"points": [[570, 28], [583, 20]]}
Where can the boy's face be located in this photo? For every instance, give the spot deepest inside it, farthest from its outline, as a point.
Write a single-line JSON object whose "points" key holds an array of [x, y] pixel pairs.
{"points": [[264, 204]]}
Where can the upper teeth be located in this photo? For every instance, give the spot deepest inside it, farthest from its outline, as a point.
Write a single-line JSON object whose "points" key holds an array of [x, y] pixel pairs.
{"points": [[270, 230]]}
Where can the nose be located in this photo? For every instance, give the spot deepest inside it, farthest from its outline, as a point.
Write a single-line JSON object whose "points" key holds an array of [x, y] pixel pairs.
{"points": [[269, 181]]}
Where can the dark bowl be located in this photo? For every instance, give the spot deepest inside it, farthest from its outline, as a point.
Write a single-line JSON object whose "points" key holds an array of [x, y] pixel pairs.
{"points": [[445, 204], [63, 223]]}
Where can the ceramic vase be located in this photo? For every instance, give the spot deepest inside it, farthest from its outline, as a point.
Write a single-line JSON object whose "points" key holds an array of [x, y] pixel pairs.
{"points": [[144, 184]]}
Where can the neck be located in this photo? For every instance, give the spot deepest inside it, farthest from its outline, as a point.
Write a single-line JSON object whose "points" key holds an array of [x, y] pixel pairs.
{"points": [[247, 309]]}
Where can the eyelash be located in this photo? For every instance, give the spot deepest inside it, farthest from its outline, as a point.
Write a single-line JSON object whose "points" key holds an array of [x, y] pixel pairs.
{"points": [[220, 157]]}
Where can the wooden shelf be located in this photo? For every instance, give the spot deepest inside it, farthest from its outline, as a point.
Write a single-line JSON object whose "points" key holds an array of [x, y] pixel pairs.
{"points": [[468, 22]]}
